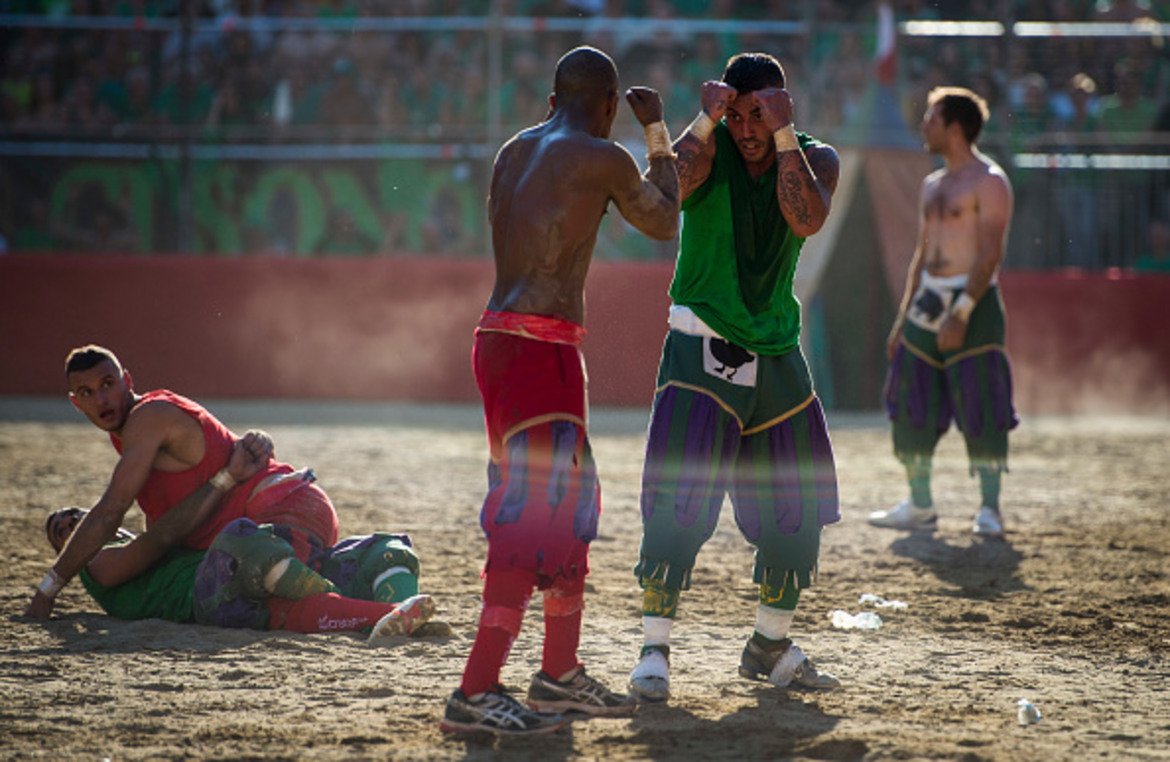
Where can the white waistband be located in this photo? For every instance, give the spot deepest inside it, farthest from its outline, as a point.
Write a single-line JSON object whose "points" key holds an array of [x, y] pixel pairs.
{"points": [[943, 283], [684, 320], [949, 282]]}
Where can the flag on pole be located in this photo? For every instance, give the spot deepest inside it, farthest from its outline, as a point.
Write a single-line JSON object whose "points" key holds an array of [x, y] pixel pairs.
{"points": [[885, 58]]}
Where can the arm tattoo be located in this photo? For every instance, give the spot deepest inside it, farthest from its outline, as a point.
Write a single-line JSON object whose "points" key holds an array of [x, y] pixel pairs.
{"points": [[793, 188], [664, 177], [688, 152]]}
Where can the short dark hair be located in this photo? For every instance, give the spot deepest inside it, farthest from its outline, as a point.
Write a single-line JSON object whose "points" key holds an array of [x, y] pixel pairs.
{"points": [[748, 72], [958, 104], [89, 356], [585, 75], [49, 519]]}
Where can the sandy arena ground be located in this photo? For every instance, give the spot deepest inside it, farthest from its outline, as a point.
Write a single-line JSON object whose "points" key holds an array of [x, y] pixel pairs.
{"points": [[1070, 611]]}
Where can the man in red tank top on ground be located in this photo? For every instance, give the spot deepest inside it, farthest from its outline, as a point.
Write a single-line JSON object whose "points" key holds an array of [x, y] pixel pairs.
{"points": [[175, 456]]}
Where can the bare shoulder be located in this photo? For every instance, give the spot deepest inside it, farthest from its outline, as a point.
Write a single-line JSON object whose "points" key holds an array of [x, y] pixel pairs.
{"points": [[994, 180], [825, 163], [152, 420]]}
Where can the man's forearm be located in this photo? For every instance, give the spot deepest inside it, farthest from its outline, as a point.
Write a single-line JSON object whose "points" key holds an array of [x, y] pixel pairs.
{"points": [[186, 516], [802, 201], [981, 273], [96, 529], [114, 566], [663, 174]]}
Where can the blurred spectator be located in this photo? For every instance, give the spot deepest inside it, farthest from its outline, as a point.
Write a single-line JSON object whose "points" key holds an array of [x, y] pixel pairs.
{"points": [[348, 101], [1127, 113], [1027, 121], [1075, 189], [1127, 117]]}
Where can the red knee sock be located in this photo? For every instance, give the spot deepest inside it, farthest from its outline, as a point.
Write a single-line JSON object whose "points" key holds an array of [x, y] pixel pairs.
{"points": [[505, 597], [325, 612]]}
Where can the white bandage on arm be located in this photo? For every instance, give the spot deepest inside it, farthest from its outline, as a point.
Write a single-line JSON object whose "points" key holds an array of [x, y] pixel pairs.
{"points": [[222, 481], [658, 141], [963, 306], [702, 127], [51, 584], [785, 138]]}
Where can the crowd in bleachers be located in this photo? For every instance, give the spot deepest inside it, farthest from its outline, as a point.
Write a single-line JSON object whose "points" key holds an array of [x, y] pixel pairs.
{"points": [[247, 71], [253, 77]]}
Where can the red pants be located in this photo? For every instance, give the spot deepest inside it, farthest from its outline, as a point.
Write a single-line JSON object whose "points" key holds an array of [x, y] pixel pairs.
{"points": [[544, 500]]}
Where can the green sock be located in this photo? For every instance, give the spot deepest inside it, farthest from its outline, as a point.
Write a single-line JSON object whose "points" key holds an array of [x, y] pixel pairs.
{"points": [[918, 471], [396, 588], [989, 480]]}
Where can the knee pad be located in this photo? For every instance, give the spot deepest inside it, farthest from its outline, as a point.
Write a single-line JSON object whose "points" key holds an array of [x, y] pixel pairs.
{"points": [[503, 617], [255, 549], [563, 603], [395, 585], [396, 551]]}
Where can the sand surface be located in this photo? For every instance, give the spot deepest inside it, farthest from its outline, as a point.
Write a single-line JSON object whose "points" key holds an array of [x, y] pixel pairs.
{"points": [[1069, 611]]}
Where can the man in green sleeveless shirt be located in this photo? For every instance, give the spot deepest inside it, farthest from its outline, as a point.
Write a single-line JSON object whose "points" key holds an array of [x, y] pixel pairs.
{"points": [[734, 409]]}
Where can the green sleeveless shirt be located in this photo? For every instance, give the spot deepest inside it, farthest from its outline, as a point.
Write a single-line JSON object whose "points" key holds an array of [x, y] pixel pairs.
{"points": [[164, 591], [737, 255]]}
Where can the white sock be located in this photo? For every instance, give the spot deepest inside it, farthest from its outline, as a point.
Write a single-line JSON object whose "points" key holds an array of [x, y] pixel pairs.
{"points": [[773, 623], [656, 630]]}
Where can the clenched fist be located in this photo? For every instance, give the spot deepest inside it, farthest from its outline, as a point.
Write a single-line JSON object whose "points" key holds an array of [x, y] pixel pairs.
{"points": [[646, 103]]}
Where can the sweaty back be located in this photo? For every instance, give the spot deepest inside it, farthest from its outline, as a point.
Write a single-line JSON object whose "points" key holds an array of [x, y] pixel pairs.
{"points": [[546, 206]]}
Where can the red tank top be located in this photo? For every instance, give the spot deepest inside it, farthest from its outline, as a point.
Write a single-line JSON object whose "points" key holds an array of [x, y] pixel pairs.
{"points": [[164, 489]]}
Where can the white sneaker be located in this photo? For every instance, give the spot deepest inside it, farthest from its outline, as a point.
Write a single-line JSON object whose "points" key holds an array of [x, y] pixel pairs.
{"points": [[650, 679], [988, 523], [905, 515]]}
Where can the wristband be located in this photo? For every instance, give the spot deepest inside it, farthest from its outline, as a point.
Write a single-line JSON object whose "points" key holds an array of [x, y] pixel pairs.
{"points": [[702, 127], [51, 584], [658, 141], [223, 481], [963, 306], [785, 138]]}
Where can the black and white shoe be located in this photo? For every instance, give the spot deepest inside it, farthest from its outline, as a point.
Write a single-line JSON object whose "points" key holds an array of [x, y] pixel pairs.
{"points": [[496, 712], [580, 693]]}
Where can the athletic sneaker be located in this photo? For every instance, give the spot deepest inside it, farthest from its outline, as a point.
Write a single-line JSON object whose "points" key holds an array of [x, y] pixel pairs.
{"points": [[905, 515], [650, 679], [406, 618], [580, 693], [495, 711], [783, 666], [988, 523]]}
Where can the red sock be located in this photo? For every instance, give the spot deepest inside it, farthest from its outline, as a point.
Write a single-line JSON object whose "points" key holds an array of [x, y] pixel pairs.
{"points": [[325, 612], [505, 597], [562, 627]]}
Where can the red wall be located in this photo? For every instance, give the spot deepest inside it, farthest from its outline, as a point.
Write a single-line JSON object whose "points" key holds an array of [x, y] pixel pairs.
{"points": [[387, 328], [400, 328], [1089, 342]]}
